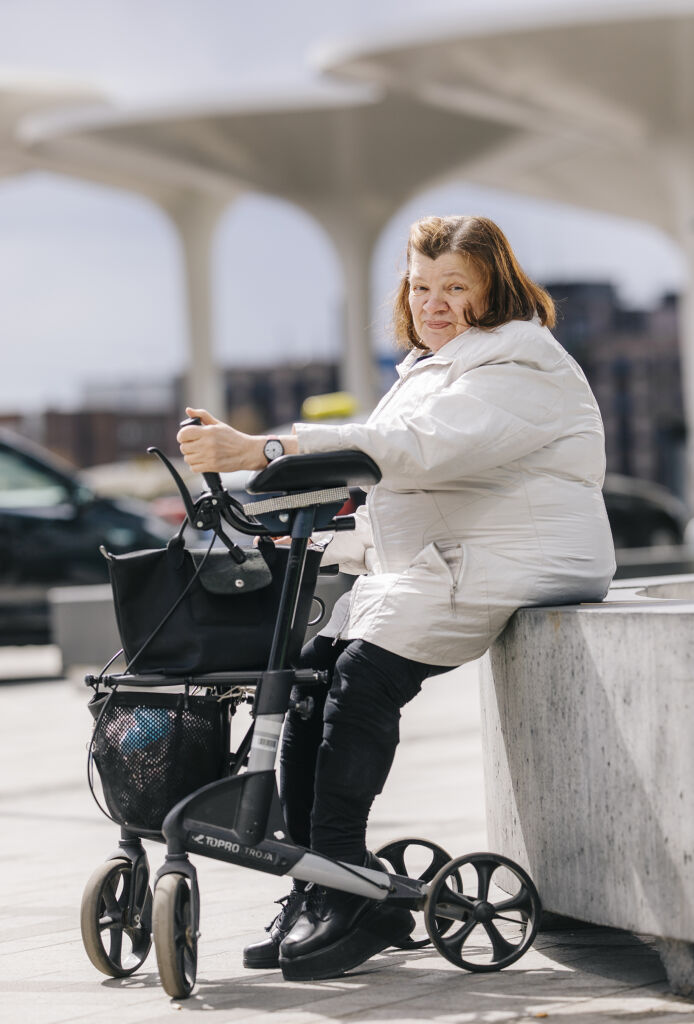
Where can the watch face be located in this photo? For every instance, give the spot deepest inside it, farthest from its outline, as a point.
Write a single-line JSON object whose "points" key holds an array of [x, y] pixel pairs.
{"points": [[273, 449]]}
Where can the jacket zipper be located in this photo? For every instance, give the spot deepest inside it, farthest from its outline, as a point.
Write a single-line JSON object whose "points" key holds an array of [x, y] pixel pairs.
{"points": [[454, 581], [374, 527], [338, 635], [374, 520], [399, 383]]}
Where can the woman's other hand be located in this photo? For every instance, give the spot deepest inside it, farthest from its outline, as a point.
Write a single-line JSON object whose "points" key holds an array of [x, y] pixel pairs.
{"points": [[215, 447]]}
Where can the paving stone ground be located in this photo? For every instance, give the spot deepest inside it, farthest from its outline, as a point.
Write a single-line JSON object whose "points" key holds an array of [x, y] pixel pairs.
{"points": [[53, 836]]}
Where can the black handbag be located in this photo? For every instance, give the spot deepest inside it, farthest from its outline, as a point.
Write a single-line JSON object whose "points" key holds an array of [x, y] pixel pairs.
{"points": [[223, 620]]}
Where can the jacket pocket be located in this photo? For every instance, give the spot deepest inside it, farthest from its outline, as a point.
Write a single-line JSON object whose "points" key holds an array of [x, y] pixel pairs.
{"points": [[448, 560]]}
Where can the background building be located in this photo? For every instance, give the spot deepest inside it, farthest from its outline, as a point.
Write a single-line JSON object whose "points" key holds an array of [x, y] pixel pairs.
{"points": [[632, 361], [119, 421]]}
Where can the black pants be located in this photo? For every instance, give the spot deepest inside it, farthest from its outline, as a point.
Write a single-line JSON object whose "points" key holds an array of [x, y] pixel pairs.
{"points": [[333, 765]]}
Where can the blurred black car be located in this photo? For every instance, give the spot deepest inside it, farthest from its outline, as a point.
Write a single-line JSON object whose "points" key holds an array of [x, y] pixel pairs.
{"points": [[643, 514], [51, 526]]}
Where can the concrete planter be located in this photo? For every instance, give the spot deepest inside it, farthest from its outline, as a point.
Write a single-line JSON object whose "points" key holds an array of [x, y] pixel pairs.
{"points": [[588, 731]]}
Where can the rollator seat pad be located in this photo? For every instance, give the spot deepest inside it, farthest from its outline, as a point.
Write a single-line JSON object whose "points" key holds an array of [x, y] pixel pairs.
{"points": [[315, 471]]}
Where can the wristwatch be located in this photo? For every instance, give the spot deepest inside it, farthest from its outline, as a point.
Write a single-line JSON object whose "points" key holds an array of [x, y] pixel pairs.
{"points": [[272, 449]]}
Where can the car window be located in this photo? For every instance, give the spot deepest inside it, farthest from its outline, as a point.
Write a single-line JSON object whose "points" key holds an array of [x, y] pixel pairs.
{"points": [[23, 484]]}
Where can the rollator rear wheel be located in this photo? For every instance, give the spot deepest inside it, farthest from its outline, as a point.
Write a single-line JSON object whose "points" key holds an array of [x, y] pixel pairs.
{"points": [[491, 920], [175, 937], [416, 858], [114, 943]]}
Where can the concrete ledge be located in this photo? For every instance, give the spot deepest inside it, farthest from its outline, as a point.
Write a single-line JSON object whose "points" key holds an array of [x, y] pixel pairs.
{"points": [[83, 625], [588, 730]]}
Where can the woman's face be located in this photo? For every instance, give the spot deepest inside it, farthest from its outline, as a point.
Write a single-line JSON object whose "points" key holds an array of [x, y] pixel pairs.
{"points": [[440, 292]]}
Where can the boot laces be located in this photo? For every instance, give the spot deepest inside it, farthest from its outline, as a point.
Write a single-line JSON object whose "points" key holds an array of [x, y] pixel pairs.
{"points": [[316, 895], [288, 903]]}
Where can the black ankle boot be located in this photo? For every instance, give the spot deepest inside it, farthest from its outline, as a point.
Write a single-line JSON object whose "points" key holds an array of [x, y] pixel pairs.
{"points": [[265, 954], [337, 931]]}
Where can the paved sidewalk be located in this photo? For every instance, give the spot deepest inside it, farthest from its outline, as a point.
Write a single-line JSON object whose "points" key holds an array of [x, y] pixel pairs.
{"points": [[53, 837]]}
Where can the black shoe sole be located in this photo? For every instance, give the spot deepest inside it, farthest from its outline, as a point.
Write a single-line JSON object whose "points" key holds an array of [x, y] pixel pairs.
{"points": [[369, 937], [262, 964]]}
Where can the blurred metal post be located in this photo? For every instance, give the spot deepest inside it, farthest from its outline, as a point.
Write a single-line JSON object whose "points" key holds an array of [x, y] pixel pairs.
{"points": [[354, 237], [354, 214], [196, 216]]}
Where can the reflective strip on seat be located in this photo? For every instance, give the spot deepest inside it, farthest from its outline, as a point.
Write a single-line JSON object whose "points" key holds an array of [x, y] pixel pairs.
{"points": [[284, 501]]}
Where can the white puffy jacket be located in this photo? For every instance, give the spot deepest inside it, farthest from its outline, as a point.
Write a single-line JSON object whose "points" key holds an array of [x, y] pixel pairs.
{"points": [[492, 460]]}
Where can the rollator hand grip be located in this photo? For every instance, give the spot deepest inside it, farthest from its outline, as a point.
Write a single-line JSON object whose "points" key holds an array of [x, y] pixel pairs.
{"points": [[213, 480], [341, 523]]}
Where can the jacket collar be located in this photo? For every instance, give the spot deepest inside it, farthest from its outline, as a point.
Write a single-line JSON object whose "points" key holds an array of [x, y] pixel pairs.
{"points": [[445, 355]]}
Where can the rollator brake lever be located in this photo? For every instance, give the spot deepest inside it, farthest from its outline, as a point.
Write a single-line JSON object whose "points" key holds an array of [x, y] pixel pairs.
{"points": [[214, 480], [205, 513], [221, 498], [186, 496], [201, 514]]}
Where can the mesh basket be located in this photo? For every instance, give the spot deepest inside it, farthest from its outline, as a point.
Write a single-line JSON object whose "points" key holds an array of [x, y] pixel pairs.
{"points": [[152, 749]]}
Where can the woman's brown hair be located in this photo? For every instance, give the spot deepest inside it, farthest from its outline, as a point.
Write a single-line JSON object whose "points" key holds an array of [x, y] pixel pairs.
{"points": [[509, 295]]}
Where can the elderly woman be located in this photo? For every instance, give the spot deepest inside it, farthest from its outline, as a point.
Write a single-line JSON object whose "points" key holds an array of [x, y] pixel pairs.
{"points": [[491, 450]]}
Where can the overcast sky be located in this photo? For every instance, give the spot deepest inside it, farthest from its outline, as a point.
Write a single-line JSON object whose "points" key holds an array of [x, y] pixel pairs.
{"points": [[90, 279]]}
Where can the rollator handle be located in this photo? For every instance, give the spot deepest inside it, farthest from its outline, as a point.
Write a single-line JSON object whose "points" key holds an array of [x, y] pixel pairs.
{"points": [[341, 523], [213, 480]]}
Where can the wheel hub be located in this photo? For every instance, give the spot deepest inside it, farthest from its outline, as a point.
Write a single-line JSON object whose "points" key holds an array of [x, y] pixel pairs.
{"points": [[483, 911]]}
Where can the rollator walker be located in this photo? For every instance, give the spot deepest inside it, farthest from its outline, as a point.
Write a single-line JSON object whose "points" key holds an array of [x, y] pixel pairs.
{"points": [[481, 911]]}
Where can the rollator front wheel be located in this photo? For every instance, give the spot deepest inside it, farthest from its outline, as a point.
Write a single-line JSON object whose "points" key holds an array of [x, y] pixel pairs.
{"points": [[420, 859], [491, 921], [116, 938], [175, 937]]}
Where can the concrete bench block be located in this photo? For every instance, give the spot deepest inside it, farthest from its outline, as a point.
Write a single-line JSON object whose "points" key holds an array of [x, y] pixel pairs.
{"points": [[588, 730], [83, 625]]}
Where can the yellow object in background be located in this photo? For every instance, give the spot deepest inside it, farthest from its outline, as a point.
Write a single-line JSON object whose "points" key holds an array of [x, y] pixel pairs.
{"points": [[335, 405]]}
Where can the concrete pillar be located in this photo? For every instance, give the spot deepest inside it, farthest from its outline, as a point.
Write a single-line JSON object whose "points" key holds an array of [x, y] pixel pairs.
{"points": [[354, 233], [355, 243], [196, 216]]}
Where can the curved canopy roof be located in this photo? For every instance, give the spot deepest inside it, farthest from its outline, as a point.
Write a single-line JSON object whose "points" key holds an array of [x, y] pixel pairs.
{"points": [[350, 156], [601, 97], [22, 96], [310, 147]]}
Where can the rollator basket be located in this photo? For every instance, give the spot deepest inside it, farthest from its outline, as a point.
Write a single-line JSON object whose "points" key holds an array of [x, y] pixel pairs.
{"points": [[152, 749]]}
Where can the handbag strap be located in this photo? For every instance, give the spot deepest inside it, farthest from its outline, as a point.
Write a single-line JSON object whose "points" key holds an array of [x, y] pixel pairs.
{"points": [[176, 603], [178, 541]]}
